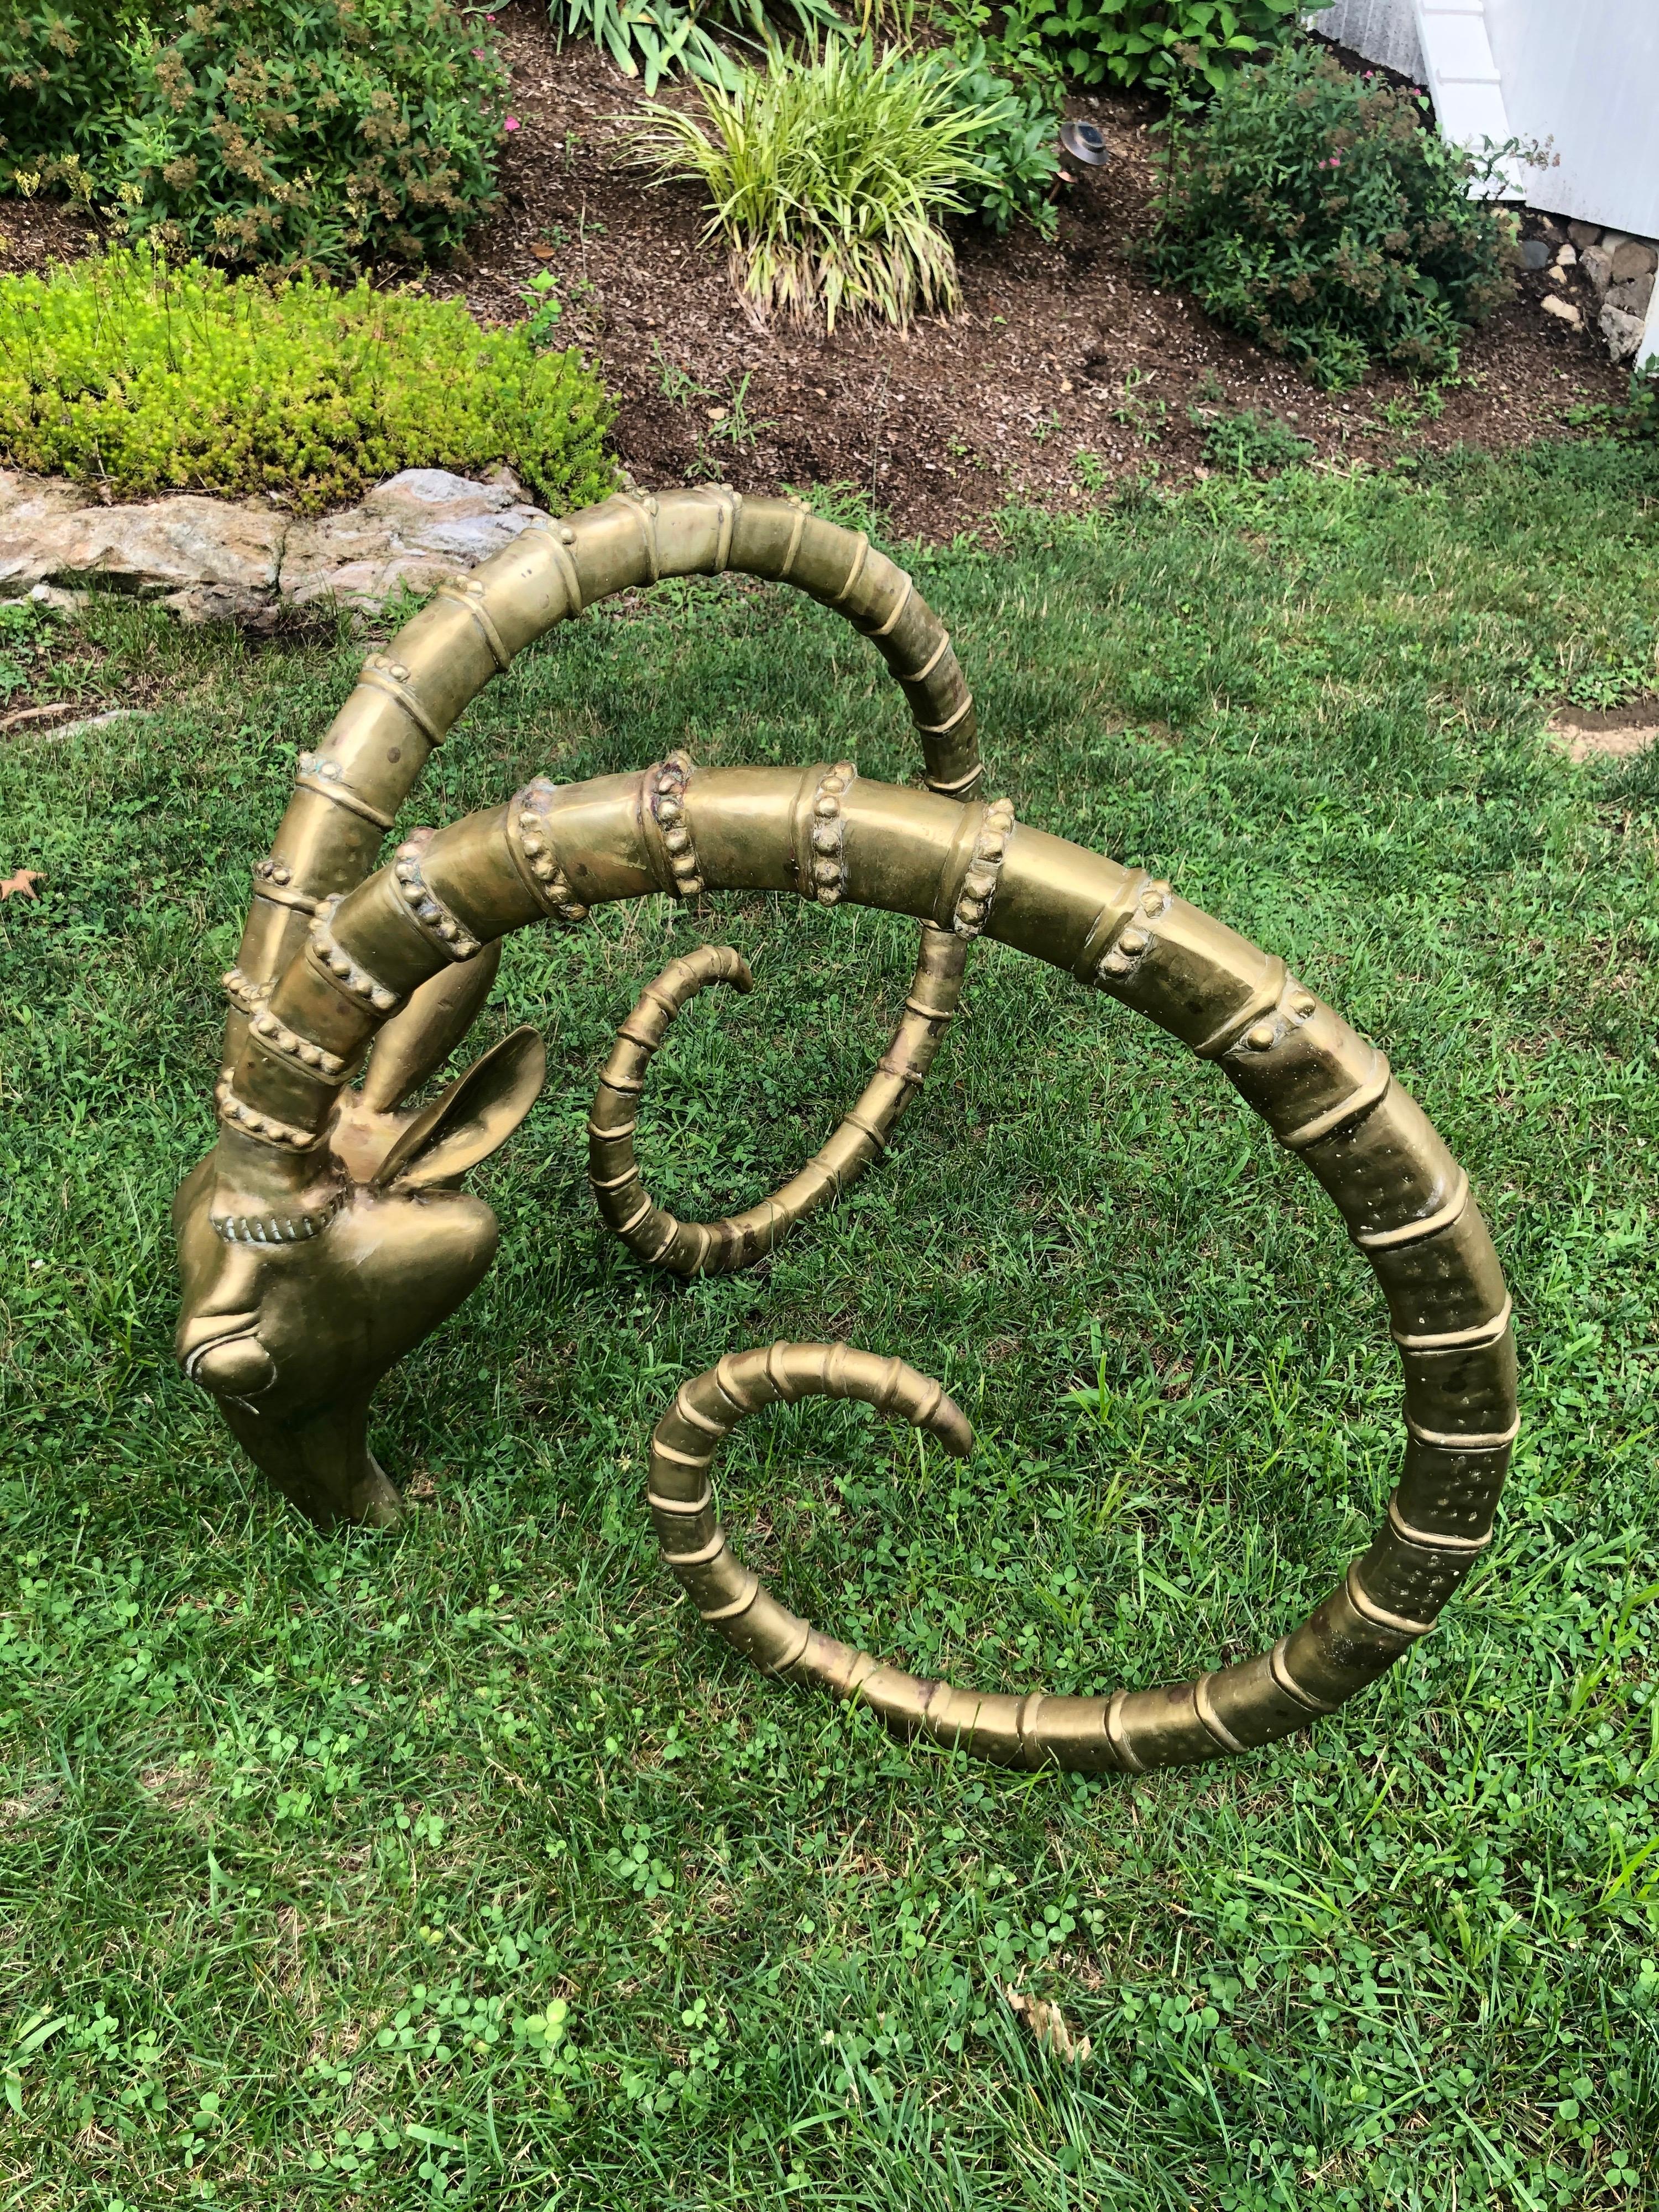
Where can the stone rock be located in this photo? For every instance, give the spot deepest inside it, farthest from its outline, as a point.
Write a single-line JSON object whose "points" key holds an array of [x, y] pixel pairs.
{"points": [[212, 560], [1553, 304], [1567, 257], [1634, 258], [177, 545], [1536, 254], [1634, 298], [1548, 228], [1622, 333], [1596, 265], [1583, 233], [34, 512], [413, 530]]}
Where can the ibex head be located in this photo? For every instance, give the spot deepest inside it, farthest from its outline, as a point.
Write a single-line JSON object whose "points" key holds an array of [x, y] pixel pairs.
{"points": [[291, 1328]]}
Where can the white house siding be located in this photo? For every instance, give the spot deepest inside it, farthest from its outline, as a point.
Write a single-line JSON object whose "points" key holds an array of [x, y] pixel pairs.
{"points": [[1577, 79], [1586, 75], [1384, 31], [1581, 76]]}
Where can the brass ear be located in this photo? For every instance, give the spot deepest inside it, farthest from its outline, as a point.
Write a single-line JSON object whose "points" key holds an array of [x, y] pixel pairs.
{"points": [[471, 1119], [416, 1043]]}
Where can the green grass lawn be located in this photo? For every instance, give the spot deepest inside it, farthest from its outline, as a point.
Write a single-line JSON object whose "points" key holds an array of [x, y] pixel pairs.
{"points": [[460, 1864]]}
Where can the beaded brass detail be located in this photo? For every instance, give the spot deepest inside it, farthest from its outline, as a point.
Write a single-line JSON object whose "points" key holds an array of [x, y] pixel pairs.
{"points": [[243, 993], [979, 884], [273, 878], [828, 836], [645, 508], [1135, 940], [265, 1128], [382, 673], [423, 906], [530, 841], [275, 1228], [665, 789], [287, 1044], [342, 971], [469, 591]]}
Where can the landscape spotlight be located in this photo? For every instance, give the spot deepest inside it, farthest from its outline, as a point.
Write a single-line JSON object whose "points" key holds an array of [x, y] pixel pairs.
{"points": [[1084, 143]]}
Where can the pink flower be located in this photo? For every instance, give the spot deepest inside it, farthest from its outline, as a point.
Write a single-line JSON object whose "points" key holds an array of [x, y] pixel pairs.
{"points": [[479, 55], [509, 123]]}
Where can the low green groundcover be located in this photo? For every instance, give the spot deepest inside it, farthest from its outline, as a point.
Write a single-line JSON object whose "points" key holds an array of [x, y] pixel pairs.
{"points": [[149, 377]]}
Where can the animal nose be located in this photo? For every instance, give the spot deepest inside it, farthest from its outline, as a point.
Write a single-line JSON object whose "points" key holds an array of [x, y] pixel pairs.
{"points": [[222, 1353], [239, 1367]]}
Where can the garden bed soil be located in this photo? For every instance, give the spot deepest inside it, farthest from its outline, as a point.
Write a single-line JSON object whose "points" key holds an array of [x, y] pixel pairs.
{"points": [[1059, 349]]}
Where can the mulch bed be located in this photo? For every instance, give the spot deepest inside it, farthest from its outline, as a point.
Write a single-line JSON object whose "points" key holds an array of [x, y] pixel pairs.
{"points": [[1057, 349]]}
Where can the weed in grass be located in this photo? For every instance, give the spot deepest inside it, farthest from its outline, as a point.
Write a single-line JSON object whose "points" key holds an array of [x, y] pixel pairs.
{"points": [[1138, 411], [459, 1864], [1251, 443]]}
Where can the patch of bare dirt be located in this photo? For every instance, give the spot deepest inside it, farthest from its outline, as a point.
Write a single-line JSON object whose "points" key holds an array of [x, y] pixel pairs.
{"points": [[1057, 349], [1619, 733]]}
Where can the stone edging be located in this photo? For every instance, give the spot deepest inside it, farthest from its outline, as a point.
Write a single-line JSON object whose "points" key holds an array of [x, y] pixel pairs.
{"points": [[247, 561], [1618, 268]]}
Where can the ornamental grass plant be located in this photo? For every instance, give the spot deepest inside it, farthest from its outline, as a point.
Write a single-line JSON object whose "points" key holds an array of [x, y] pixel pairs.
{"points": [[826, 177], [126, 371], [1313, 210]]}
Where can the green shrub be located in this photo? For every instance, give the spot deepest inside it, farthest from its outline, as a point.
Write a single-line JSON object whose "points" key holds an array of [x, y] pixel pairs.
{"points": [[1162, 42], [303, 132], [1015, 139], [65, 74], [150, 378], [826, 176], [1248, 443], [659, 36], [1311, 210], [1641, 418]]}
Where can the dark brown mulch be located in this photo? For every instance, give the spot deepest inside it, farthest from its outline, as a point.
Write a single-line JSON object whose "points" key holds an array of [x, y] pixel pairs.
{"points": [[1058, 348]]}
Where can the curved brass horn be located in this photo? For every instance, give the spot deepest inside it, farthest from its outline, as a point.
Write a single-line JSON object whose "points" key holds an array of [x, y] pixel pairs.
{"points": [[694, 1247], [409, 696], [346, 1276], [1390, 1597]]}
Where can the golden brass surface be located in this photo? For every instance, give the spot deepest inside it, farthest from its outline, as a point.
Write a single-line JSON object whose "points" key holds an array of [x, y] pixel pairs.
{"points": [[326, 1233], [692, 1248]]}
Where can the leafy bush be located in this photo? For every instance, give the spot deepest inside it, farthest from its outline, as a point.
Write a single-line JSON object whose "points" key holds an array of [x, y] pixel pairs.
{"points": [[1162, 42], [149, 379], [826, 176], [658, 37], [1311, 210], [1642, 415], [1015, 137], [307, 132], [66, 72]]}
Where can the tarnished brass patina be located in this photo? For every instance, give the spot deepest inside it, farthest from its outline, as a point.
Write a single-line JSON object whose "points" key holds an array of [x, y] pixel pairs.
{"points": [[326, 1233]]}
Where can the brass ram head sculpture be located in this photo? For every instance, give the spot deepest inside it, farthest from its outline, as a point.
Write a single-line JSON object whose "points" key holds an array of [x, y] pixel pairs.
{"points": [[326, 1233]]}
